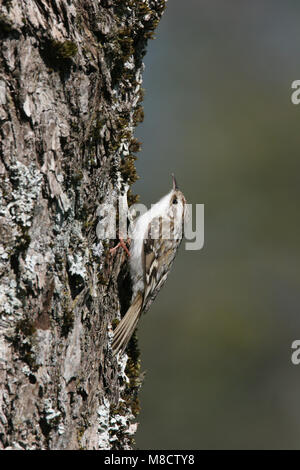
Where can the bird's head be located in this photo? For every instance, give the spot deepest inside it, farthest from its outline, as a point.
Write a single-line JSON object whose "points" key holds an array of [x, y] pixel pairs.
{"points": [[177, 203]]}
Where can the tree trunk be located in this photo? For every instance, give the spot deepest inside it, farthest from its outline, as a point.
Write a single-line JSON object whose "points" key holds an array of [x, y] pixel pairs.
{"points": [[70, 98]]}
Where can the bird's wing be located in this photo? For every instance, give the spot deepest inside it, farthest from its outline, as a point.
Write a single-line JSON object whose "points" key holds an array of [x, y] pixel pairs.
{"points": [[158, 256]]}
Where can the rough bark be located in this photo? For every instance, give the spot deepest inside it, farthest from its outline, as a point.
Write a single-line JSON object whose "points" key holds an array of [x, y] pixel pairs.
{"points": [[70, 98]]}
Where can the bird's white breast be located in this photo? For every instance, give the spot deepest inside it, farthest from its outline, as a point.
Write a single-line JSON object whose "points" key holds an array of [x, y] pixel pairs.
{"points": [[139, 233]]}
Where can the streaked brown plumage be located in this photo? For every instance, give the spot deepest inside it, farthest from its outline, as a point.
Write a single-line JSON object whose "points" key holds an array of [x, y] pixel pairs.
{"points": [[156, 237]]}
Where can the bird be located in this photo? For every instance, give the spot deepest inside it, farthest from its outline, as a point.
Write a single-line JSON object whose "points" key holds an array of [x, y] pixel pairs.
{"points": [[155, 238]]}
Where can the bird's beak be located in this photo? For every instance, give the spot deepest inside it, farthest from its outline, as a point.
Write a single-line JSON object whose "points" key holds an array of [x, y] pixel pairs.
{"points": [[174, 182]]}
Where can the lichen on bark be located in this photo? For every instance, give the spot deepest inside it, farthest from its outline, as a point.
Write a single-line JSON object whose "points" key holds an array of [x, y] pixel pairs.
{"points": [[70, 99]]}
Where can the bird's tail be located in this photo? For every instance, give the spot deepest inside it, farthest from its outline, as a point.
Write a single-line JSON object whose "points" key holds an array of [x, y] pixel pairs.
{"points": [[127, 325]]}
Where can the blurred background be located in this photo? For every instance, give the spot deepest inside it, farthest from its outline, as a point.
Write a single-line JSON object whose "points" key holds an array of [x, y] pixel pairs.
{"points": [[216, 344]]}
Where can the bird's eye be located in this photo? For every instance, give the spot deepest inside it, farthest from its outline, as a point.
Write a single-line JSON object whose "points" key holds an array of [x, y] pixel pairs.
{"points": [[175, 201]]}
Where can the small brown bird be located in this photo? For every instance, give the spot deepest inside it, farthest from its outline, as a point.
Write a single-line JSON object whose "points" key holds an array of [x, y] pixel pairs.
{"points": [[156, 236]]}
